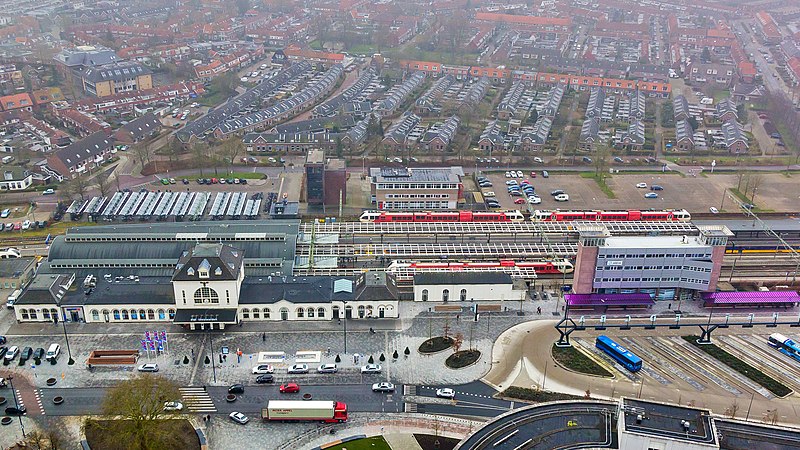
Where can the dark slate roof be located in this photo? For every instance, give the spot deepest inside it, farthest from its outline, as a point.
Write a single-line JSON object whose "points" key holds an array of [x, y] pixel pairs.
{"points": [[222, 262], [148, 291], [462, 278], [115, 71], [87, 56], [13, 267], [376, 285], [295, 290], [142, 126], [315, 125], [86, 148], [46, 288]]}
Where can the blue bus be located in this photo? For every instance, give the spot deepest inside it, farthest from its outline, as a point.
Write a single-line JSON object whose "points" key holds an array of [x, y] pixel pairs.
{"points": [[785, 345], [619, 353]]}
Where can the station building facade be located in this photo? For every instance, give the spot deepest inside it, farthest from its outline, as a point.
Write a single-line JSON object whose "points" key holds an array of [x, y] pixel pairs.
{"points": [[199, 275], [666, 267]]}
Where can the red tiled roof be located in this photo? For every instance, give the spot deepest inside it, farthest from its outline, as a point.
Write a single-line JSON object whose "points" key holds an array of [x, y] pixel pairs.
{"points": [[16, 101], [523, 20]]}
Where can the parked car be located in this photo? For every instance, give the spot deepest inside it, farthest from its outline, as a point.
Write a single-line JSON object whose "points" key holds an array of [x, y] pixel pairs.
{"points": [[534, 200], [489, 194], [12, 353], [25, 354], [713, 210], [519, 201], [651, 195], [383, 387], [371, 368], [263, 368], [562, 198], [239, 417], [327, 368], [38, 353], [545, 174], [656, 187], [49, 192], [587, 160], [641, 185], [536, 159], [289, 388], [237, 388], [446, 393], [149, 367], [556, 192], [298, 368], [265, 378], [618, 159]]}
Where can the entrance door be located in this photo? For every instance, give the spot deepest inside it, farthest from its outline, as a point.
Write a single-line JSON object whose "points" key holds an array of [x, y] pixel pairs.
{"points": [[105, 315], [284, 314], [74, 316], [348, 312]]}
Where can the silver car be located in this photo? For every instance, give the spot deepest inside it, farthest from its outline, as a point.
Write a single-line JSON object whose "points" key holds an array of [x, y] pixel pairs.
{"points": [[298, 368]]}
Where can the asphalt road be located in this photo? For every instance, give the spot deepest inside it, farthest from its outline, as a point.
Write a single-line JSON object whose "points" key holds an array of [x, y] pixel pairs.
{"points": [[358, 397], [472, 399]]}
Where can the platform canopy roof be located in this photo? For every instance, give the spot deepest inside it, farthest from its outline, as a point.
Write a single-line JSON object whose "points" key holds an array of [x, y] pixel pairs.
{"points": [[636, 299], [750, 297]]}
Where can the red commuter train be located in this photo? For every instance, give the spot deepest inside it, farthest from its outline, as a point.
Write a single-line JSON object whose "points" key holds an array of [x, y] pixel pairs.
{"points": [[669, 215]]}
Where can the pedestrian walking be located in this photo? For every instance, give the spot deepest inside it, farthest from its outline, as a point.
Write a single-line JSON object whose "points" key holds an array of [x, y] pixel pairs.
{"points": [[539, 310], [669, 306], [263, 337]]}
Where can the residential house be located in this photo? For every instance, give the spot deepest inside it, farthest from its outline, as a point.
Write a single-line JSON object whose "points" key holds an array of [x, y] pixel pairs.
{"points": [[726, 110], [534, 140], [684, 136], [439, 137], [680, 108], [734, 139], [589, 134], [15, 179], [138, 130], [79, 157], [633, 138], [17, 102], [395, 139], [491, 140]]}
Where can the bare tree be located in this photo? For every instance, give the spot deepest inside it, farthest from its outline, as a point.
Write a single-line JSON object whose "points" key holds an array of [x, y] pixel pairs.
{"points": [[229, 149], [200, 150], [77, 187], [458, 341], [138, 403], [103, 180]]}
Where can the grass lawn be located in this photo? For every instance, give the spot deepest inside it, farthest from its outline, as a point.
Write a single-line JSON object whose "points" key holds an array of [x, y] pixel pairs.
{"points": [[370, 443], [773, 385], [601, 182], [574, 359]]}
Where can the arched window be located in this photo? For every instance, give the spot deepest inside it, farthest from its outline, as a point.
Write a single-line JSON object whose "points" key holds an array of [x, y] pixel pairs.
{"points": [[95, 315], [171, 313], [300, 312], [124, 314], [162, 314], [151, 315], [116, 314], [46, 314], [361, 311], [256, 313], [424, 295], [134, 314], [310, 312], [266, 313], [142, 314], [284, 313], [53, 313], [34, 314], [206, 295], [445, 295], [463, 295], [321, 312], [246, 313], [24, 313]]}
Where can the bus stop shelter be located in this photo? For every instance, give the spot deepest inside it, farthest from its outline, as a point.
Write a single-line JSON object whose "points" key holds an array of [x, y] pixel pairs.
{"points": [[606, 301], [751, 299]]}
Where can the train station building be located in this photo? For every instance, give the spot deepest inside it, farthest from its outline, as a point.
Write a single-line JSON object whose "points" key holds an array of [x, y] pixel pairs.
{"points": [[664, 267], [202, 275]]}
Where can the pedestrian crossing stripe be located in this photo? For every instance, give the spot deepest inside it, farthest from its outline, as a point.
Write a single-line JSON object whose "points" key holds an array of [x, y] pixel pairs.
{"points": [[197, 400]]}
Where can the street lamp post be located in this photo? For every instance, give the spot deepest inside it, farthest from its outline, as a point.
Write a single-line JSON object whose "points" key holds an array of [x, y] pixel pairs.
{"points": [[71, 361], [16, 405], [213, 365], [345, 325]]}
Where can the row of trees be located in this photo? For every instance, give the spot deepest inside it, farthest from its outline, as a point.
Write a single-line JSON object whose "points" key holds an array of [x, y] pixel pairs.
{"points": [[786, 116]]}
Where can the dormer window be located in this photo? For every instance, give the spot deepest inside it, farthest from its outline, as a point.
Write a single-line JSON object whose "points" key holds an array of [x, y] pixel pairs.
{"points": [[204, 269], [218, 272], [190, 272]]}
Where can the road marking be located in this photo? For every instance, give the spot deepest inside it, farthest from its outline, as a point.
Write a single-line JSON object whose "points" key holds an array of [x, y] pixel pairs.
{"points": [[197, 399]]}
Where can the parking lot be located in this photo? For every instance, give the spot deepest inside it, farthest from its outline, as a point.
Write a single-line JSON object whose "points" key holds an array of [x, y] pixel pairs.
{"points": [[695, 194]]}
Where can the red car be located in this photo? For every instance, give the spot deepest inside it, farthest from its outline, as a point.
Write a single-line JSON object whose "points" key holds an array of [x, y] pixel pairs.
{"points": [[289, 388], [519, 201], [533, 174]]}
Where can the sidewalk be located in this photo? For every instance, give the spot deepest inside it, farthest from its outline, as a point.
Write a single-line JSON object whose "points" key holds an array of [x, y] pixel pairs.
{"points": [[402, 441]]}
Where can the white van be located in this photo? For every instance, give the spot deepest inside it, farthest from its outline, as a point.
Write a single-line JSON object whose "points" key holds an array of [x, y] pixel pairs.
{"points": [[53, 352], [13, 298]]}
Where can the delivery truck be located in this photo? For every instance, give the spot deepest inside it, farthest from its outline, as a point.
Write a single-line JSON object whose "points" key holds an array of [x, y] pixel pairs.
{"points": [[325, 410]]}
